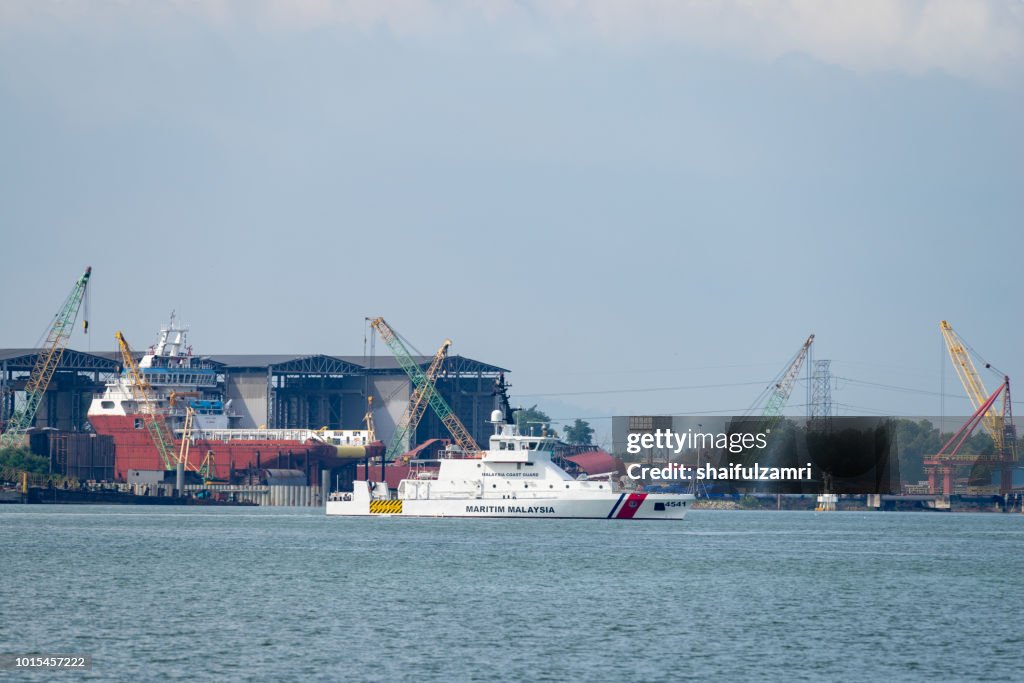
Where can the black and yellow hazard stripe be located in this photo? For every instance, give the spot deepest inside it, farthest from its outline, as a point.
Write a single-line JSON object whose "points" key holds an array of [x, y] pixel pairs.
{"points": [[385, 507]]}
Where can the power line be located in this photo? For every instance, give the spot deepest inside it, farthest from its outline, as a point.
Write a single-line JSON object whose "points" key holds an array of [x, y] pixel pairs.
{"points": [[605, 371], [724, 412], [642, 390], [872, 411], [894, 387]]}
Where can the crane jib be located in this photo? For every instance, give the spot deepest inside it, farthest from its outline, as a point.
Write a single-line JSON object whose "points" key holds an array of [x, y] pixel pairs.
{"points": [[46, 363]]}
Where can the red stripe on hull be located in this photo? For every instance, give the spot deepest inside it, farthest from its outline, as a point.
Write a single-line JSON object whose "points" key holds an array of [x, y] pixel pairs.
{"points": [[631, 505]]}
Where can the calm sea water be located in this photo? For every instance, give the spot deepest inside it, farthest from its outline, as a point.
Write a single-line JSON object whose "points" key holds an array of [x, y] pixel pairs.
{"points": [[208, 594]]}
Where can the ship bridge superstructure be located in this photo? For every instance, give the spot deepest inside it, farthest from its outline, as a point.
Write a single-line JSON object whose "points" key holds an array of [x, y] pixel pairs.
{"points": [[516, 466], [176, 382]]}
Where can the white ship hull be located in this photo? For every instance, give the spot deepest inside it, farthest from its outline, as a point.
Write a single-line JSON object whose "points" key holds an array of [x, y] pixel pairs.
{"points": [[515, 477], [619, 506]]}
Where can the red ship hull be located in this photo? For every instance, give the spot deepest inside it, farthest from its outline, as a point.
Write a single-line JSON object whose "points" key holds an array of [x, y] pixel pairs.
{"points": [[134, 450]]}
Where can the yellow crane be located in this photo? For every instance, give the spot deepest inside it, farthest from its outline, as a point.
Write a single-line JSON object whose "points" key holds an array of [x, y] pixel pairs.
{"points": [[959, 353], [152, 416], [995, 419], [186, 437], [207, 469]]}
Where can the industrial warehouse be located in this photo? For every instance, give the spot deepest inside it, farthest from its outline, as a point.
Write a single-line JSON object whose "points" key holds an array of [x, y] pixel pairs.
{"points": [[273, 391], [261, 392]]}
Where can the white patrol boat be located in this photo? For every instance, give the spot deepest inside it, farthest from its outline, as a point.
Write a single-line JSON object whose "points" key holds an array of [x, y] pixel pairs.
{"points": [[515, 477]]}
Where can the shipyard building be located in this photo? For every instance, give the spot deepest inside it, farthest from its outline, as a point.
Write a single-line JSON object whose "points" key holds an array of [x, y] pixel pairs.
{"points": [[274, 391]]}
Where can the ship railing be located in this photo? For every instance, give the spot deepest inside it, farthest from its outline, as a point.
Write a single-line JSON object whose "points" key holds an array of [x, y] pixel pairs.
{"points": [[115, 394], [300, 435], [423, 469], [453, 452], [180, 381], [602, 475]]}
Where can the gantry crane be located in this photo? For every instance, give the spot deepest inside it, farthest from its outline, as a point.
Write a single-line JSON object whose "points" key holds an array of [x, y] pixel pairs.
{"points": [[152, 416], [418, 402], [459, 433], [47, 361]]}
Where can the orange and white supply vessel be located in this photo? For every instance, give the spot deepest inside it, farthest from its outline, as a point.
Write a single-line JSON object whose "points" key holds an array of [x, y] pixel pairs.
{"points": [[179, 381], [515, 477]]}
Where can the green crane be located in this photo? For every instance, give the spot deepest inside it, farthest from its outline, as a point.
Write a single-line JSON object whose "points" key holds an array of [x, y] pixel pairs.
{"points": [[783, 385], [422, 384], [47, 361], [418, 403]]}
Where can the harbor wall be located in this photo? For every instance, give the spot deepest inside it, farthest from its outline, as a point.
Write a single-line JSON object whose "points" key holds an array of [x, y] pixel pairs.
{"points": [[264, 496]]}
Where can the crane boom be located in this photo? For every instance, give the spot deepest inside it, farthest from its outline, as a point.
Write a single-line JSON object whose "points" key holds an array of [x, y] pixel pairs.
{"points": [[417, 404], [971, 380], [186, 438], [448, 417], [784, 383], [46, 362], [151, 416]]}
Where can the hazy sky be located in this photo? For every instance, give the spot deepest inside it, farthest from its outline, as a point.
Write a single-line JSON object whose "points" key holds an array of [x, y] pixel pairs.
{"points": [[597, 195]]}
